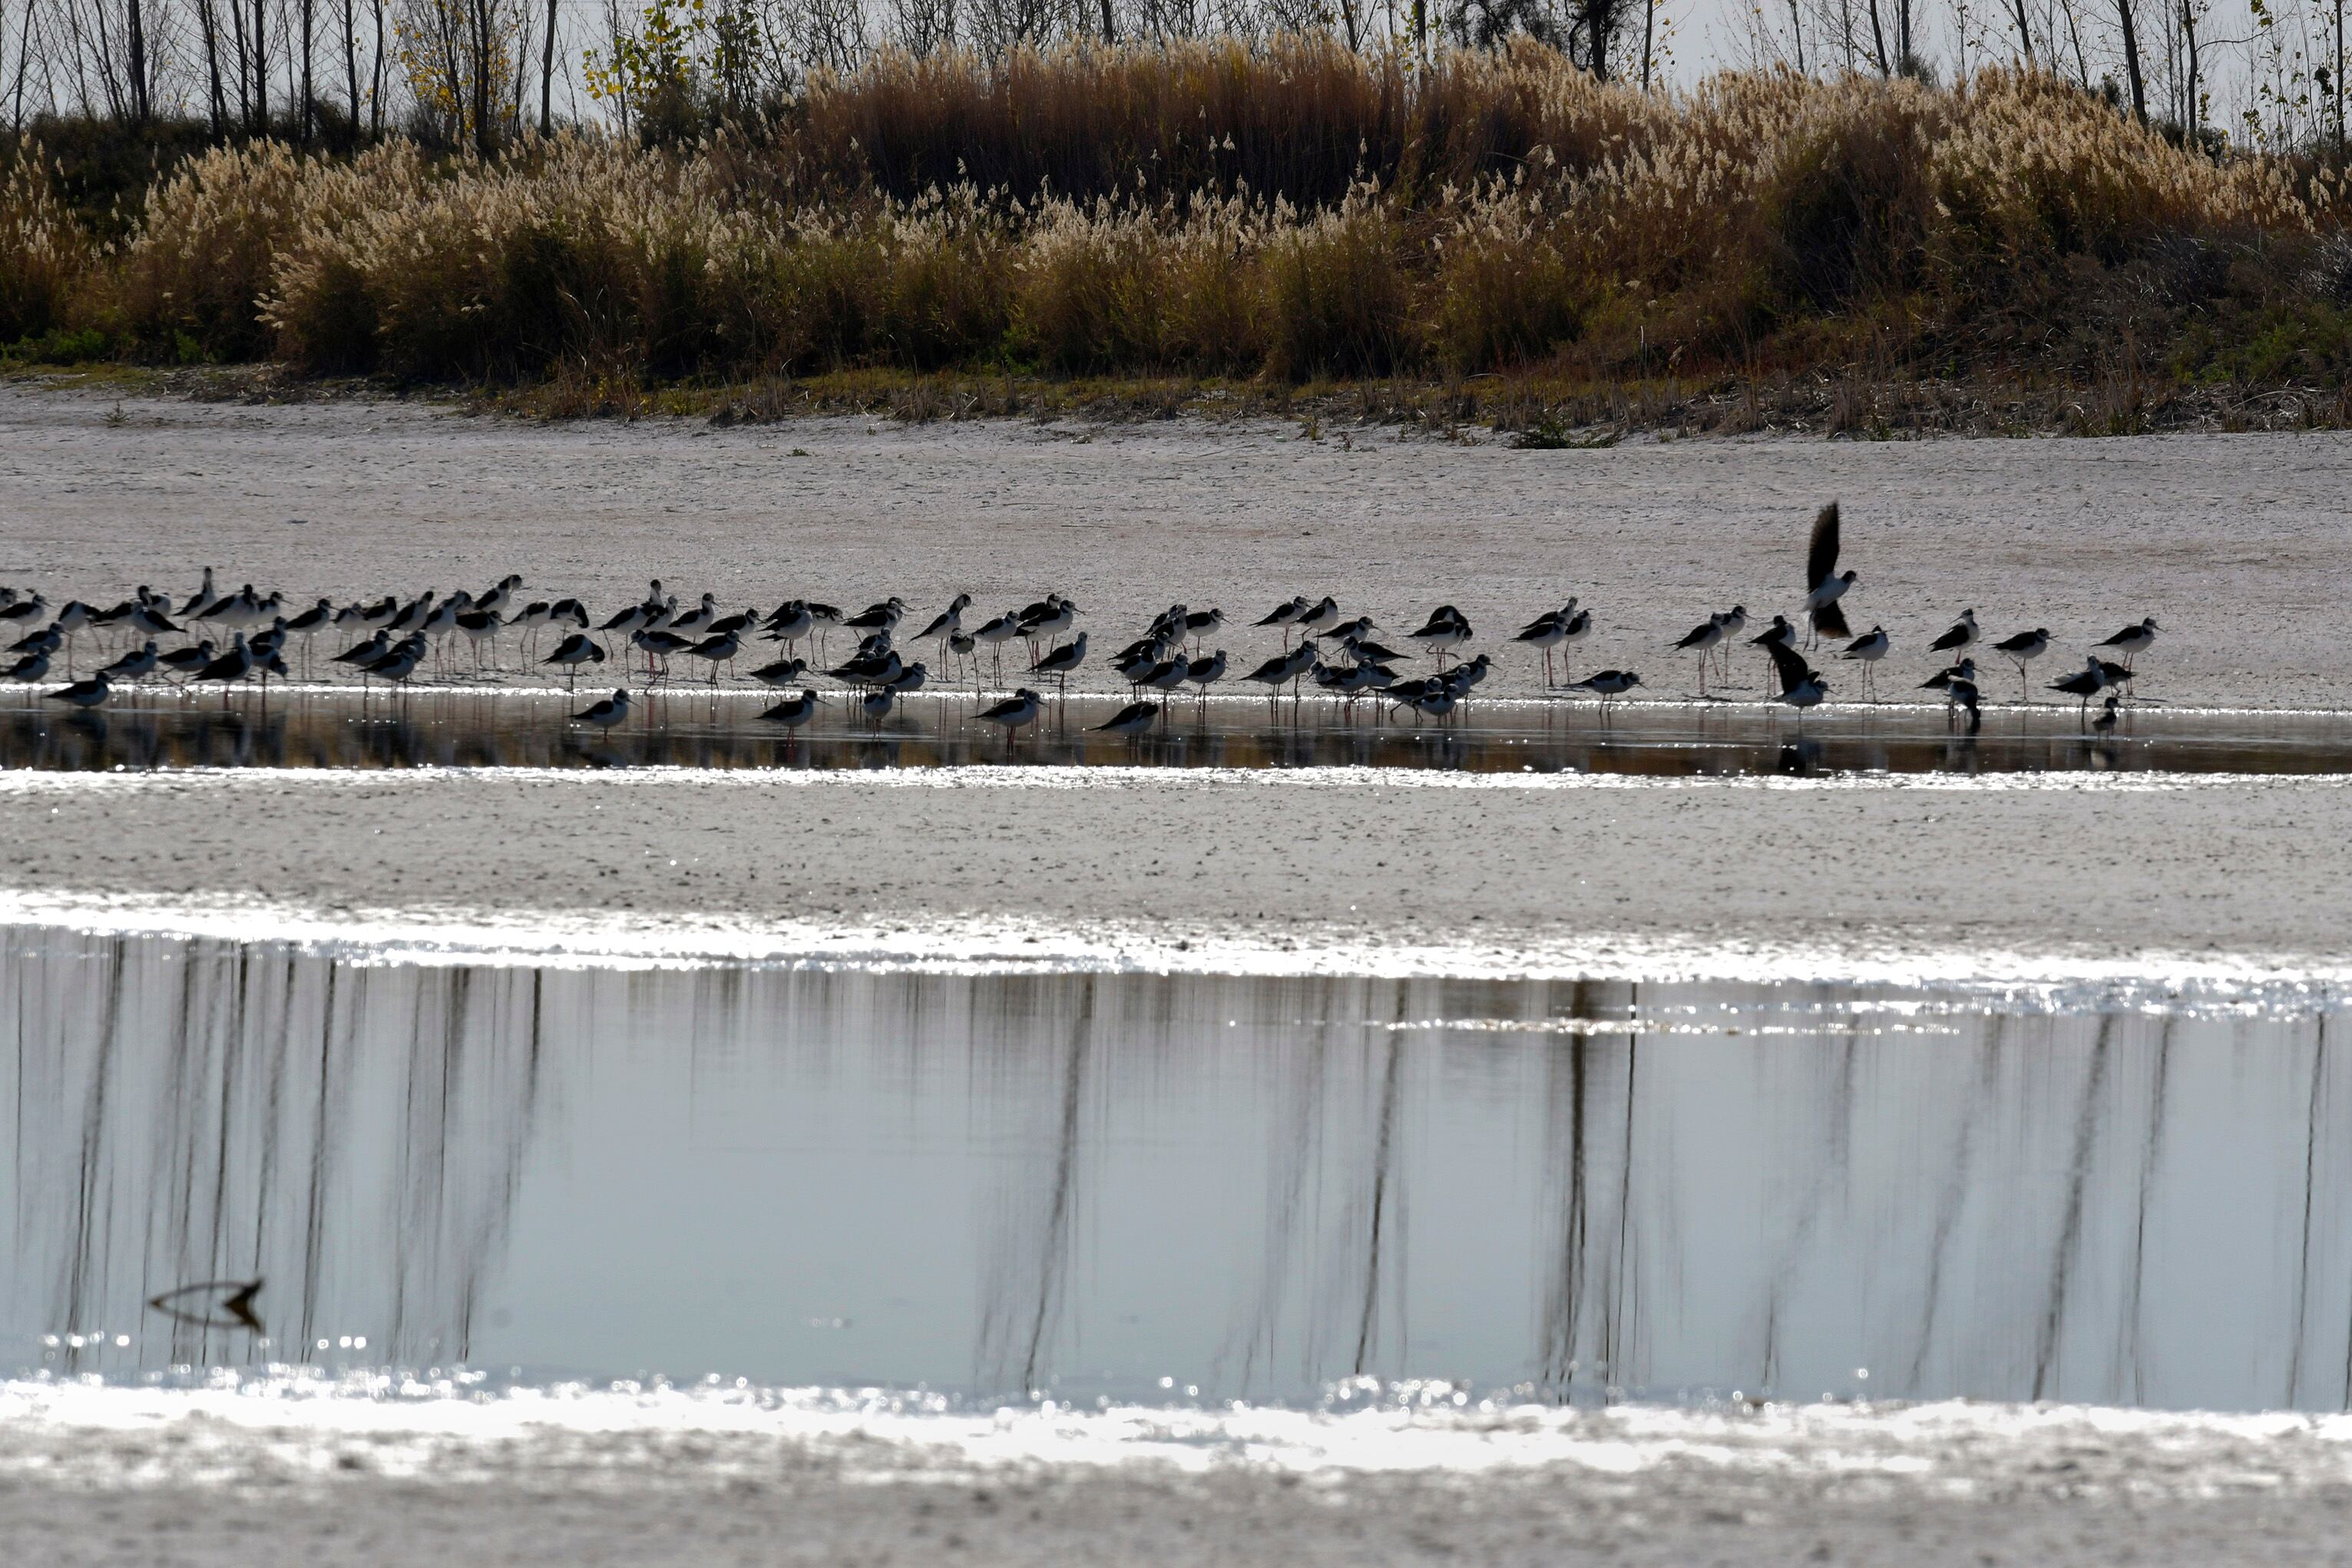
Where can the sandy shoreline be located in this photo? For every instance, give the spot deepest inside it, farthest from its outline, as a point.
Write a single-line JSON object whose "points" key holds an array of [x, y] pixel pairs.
{"points": [[1525, 874], [1939, 1484]]}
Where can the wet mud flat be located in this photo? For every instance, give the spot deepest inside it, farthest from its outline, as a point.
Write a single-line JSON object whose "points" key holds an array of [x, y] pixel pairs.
{"points": [[687, 726]]}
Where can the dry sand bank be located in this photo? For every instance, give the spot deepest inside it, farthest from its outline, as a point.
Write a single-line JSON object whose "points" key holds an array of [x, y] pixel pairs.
{"points": [[2237, 543], [1981, 1485], [1531, 873]]}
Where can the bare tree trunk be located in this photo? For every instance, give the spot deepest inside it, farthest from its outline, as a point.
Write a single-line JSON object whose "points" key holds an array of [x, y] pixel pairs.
{"points": [[547, 75], [2193, 116], [309, 24], [350, 21], [375, 83], [216, 102], [1354, 25], [1649, 31], [1797, 33], [135, 29], [260, 71], [2024, 31], [2337, 81], [1878, 40], [478, 17], [2131, 61], [1108, 34]]}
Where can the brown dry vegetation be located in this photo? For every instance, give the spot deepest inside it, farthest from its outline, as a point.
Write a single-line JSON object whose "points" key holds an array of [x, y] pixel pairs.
{"points": [[1499, 236]]}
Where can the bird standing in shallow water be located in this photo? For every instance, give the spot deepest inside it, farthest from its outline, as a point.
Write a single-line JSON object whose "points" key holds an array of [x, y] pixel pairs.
{"points": [[2084, 683], [1022, 707], [606, 713], [83, 694]]}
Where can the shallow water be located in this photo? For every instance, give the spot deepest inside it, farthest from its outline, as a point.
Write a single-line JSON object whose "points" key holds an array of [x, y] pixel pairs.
{"points": [[1170, 1188], [684, 727]]}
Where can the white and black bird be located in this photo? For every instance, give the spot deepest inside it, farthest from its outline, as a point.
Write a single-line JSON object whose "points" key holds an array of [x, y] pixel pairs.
{"points": [[139, 662], [1321, 616], [1960, 638], [2133, 641], [1286, 616], [947, 623], [576, 649], [1206, 672], [2023, 649], [1607, 684], [606, 712], [1701, 639], [2105, 722], [1546, 631], [994, 635], [1944, 679], [2084, 683], [233, 666], [1133, 720], [718, 650], [1824, 583], [794, 711], [1022, 707], [1447, 629], [83, 694], [1801, 686], [781, 674], [1060, 662], [1868, 650]]}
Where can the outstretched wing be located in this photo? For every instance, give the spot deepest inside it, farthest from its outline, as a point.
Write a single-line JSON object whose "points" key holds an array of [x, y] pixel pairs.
{"points": [[1789, 664], [1829, 621], [1822, 553]]}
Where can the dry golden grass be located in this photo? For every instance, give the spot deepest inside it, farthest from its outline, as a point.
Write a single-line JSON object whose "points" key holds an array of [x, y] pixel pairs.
{"points": [[1202, 209], [44, 254]]}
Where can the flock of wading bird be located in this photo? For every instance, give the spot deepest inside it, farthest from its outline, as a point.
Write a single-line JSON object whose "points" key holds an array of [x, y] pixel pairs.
{"points": [[1342, 656]]}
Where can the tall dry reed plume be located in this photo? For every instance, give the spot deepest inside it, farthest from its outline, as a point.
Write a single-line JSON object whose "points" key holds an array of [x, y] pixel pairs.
{"points": [[1204, 207], [44, 254]]}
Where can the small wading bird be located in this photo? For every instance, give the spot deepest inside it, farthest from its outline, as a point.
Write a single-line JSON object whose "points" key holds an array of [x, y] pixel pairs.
{"points": [[1022, 707], [1130, 720], [1959, 640], [794, 711], [1607, 684], [2133, 641], [1801, 686], [2084, 683], [2023, 649], [2105, 722], [1701, 640], [605, 713], [87, 693], [1869, 649], [1824, 583]]}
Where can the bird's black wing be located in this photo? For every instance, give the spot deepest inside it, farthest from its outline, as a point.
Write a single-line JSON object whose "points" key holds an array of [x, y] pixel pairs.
{"points": [[1829, 621], [1822, 553], [1789, 664]]}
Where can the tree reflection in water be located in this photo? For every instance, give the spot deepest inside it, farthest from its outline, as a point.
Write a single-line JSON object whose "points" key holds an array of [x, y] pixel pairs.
{"points": [[1253, 1187]]}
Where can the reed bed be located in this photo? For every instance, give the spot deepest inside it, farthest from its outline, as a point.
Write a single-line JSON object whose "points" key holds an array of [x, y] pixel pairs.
{"points": [[1290, 211]]}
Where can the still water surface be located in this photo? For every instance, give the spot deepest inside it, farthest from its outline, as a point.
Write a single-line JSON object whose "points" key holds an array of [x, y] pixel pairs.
{"points": [[687, 728], [1080, 1185]]}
